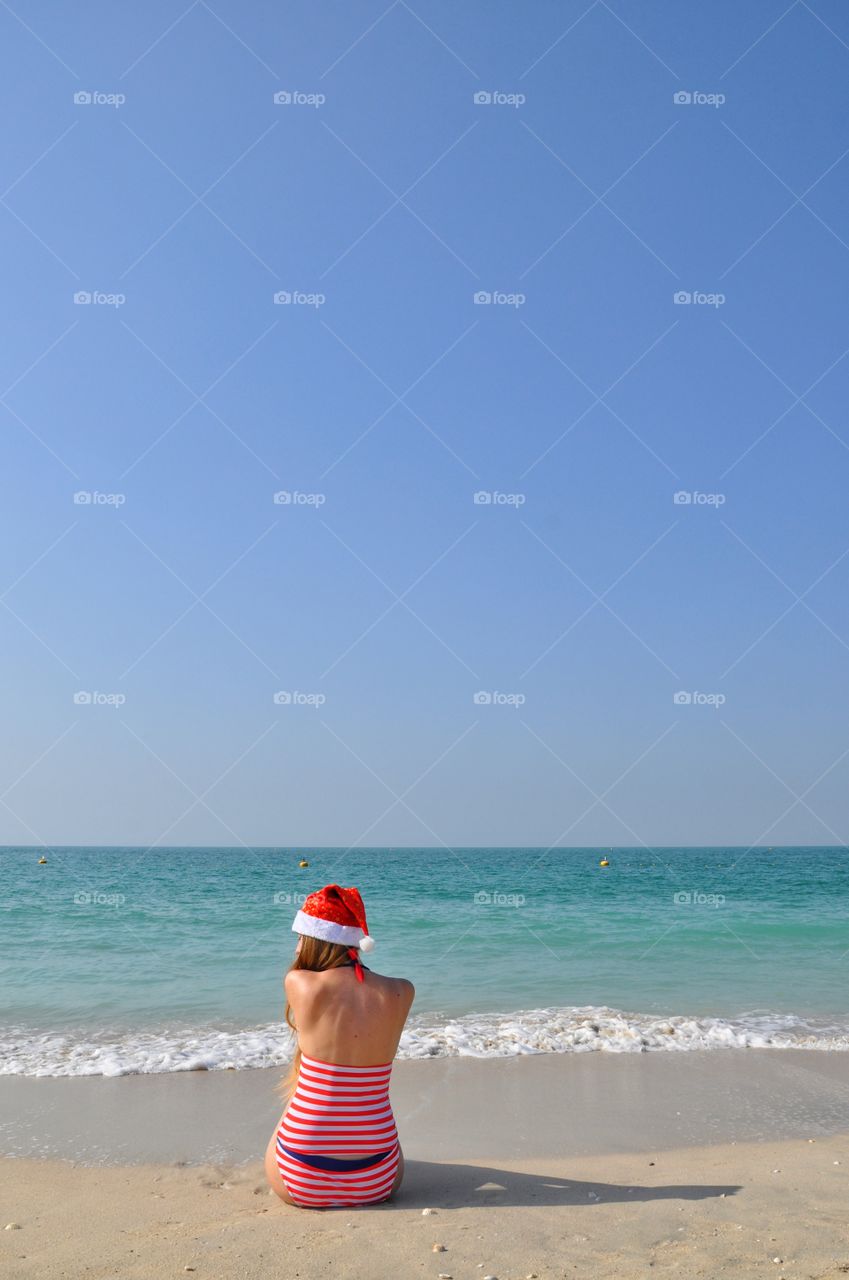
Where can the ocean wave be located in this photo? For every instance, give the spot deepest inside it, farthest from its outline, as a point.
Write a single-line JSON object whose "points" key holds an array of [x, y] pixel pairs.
{"points": [[492, 1035], [601, 1030]]}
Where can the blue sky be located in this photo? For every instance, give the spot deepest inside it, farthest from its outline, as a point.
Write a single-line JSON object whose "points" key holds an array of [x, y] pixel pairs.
{"points": [[580, 198]]}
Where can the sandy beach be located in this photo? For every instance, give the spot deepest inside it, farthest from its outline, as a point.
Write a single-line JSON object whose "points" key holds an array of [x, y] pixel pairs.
{"points": [[600, 1165]]}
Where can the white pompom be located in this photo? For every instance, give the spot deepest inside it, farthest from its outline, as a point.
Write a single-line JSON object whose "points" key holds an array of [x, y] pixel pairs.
{"points": [[367, 944]]}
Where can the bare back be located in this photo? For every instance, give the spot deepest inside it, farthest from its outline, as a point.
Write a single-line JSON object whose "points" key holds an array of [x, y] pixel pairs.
{"points": [[344, 1021]]}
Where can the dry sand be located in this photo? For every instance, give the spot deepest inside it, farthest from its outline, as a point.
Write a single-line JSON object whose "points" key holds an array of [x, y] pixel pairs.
{"points": [[514, 1189], [776, 1209]]}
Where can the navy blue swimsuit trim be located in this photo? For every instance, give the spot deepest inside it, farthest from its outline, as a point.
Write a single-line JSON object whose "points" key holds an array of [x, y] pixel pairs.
{"points": [[332, 1163]]}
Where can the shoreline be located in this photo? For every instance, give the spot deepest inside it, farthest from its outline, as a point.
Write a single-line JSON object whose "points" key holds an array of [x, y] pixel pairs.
{"points": [[539, 1106], [481, 1034]]}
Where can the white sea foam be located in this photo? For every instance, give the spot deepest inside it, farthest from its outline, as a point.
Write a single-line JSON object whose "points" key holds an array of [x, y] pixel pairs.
{"points": [[491, 1035], [591, 1029]]}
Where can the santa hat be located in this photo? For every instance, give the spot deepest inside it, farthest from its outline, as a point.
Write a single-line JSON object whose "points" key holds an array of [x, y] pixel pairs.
{"points": [[334, 914]]}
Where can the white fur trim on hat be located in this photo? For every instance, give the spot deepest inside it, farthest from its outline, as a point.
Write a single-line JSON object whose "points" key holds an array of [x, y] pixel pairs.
{"points": [[346, 935]]}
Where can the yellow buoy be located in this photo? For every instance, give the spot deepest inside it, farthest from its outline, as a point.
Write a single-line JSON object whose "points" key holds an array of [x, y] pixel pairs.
{"points": [[303, 863], [42, 862], [604, 863]]}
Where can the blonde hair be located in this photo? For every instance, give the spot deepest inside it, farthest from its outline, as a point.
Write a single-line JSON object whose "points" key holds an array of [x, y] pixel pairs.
{"points": [[314, 954]]}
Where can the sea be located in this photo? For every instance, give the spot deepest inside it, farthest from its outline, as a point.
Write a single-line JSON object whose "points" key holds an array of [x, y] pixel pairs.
{"points": [[117, 961]]}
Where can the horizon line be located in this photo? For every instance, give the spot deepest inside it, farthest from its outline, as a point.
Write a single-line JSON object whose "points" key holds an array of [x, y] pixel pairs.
{"points": [[390, 848]]}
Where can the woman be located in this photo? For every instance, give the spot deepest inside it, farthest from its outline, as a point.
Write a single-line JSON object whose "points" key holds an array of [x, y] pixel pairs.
{"points": [[336, 1143]]}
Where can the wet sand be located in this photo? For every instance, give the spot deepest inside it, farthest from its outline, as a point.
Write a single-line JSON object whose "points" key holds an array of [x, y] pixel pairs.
{"points": [[546, 1105]]}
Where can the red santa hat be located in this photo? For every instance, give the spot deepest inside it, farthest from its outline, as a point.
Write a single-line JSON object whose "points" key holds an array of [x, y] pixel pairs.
{"points": [[334, 914]]}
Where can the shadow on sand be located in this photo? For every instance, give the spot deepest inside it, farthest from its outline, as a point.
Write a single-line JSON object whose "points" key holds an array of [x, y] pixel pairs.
{"points": [[455, 1186]]}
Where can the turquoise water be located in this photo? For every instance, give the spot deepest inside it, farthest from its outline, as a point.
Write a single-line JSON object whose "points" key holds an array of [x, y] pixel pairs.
{"points": [[124, 959]]}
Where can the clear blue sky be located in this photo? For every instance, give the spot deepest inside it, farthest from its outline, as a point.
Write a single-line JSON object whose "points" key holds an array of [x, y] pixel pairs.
{"points": [[596, 399]]}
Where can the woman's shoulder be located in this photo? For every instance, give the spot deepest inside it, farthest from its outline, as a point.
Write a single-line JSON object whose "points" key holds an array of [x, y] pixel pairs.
{"points": [[304, 981], [393, 986], [401, 989]]}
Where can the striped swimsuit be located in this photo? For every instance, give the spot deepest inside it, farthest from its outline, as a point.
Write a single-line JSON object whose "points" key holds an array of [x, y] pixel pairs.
{"points": [[337, 1143]]}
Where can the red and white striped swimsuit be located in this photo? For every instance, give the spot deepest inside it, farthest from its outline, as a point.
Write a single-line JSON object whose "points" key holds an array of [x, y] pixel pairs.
{"points": [[337, 1143]]}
